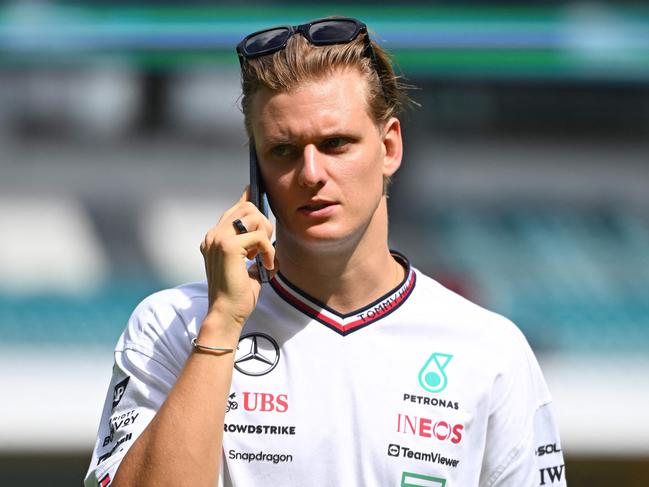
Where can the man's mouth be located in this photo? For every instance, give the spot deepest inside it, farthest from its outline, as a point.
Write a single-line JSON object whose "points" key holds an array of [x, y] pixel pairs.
{"points": [[316, 207]]}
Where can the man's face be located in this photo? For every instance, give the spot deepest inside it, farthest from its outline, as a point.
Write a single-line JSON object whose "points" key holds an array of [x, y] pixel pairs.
{"points": [[323, 159]]}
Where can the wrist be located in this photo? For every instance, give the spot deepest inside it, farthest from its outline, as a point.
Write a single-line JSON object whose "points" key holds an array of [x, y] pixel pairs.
{"points": [[214, 333], [222, 312], [209, 349]]}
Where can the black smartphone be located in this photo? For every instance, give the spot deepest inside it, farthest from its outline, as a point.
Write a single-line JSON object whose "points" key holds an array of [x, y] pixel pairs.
{"points": [[257, 198]]}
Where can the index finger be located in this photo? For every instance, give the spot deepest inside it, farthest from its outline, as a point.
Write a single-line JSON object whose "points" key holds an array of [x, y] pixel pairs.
{"points": [[242, 199]]}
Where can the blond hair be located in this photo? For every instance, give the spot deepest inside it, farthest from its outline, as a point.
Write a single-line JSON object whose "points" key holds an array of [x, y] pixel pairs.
{"points": [[301, 62]]}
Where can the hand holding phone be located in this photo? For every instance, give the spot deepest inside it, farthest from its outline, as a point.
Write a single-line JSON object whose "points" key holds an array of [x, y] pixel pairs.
{"points": [[257, 198]]}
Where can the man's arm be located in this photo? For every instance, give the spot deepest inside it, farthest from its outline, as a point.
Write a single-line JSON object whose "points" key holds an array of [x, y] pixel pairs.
{"points": [[522, 448], [182, 443]]}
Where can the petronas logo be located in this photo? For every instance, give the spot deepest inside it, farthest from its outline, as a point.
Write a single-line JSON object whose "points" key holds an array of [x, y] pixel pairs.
{"points": [[432, 376]]}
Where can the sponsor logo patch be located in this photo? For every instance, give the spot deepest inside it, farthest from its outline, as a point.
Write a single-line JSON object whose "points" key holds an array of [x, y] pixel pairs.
{"points": [[118, 392], [119, 422], [259, 429], [431, 401], [395, 450], [427, 428], [265, 402], [551, 475], [108, 454], [432, 376], [548, 449], [232, 404], [260, 457], [411, 479], [257, 354]]}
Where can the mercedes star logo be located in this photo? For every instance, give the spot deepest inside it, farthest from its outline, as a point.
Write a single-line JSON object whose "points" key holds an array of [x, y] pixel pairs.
{"points": [[257, 354]]}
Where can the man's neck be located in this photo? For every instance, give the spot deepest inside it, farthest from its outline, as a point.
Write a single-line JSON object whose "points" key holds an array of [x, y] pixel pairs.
{"points": [[345, 277]]}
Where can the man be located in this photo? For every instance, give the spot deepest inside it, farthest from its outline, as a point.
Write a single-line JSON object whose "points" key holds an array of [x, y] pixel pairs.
{"points": [[349, 367]]}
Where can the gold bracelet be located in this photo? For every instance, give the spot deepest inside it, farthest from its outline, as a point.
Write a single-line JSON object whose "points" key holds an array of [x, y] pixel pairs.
{"points": [[204, 348]]}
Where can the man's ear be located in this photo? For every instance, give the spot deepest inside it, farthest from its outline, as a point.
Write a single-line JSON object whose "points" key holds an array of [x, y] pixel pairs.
{"points": [[393, 146]]}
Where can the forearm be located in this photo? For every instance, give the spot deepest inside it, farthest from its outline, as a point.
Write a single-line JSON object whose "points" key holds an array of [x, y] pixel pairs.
{"points": [[182, 444]]}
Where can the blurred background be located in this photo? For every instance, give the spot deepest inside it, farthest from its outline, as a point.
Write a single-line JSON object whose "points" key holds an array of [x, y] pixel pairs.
{"points": [[525, 187]]}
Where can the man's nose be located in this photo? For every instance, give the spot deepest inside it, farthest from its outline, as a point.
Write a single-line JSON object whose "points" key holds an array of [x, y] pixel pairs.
{"points": [[312, 170]]}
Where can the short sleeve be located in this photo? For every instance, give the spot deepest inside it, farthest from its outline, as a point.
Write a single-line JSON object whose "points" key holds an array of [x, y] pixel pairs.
{"points": [[148, 358], [522, 447], [138, 388]]}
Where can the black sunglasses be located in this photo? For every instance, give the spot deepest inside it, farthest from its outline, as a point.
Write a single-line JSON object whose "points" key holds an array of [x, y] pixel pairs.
{"points": [[320, 32]]}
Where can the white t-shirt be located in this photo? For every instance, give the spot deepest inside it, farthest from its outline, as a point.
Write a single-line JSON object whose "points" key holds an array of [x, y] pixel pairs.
{"points": [[419, 388]]}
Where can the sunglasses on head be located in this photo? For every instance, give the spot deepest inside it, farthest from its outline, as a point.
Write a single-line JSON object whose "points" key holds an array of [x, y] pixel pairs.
{"points": [[320, 32]]}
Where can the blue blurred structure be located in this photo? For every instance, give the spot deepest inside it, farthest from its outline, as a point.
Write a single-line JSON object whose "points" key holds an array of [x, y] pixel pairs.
{"points": [[55, 319], [572, 279], [575, 40]]}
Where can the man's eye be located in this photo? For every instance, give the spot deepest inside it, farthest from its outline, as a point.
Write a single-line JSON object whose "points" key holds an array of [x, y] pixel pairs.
{"points": [[283, 151], [335, 143]]}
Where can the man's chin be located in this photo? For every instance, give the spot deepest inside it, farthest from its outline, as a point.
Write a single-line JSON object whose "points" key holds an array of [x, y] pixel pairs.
{"points": [[321, 237]]}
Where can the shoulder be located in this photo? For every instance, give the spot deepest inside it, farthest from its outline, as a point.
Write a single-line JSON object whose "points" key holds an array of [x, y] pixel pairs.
{"points": [[486, 334], [496, 345], [462, 314], [165, 316], [177, 298]]}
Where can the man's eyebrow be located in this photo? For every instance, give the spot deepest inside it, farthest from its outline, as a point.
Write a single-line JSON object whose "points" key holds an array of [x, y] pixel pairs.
{"points": [[277, 140], [273, 140]]}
